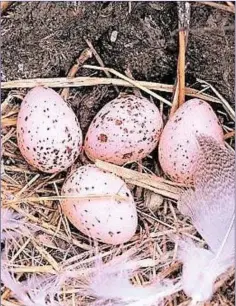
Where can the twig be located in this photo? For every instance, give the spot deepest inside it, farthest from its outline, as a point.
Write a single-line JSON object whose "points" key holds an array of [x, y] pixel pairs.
{"points": [[147, 181], [175, 95], [219, 6], [181, 67], [129, 75], [5, 104], [113, 71], [28, 185], [94, 81], [46, 256], [184, 20], [224, 102], [8, 122], [5, 5], [99, 60], [229, 3], [58, 198], [229, 135], [6, 303], [50, 229], [84, 56], [8, 135], [34, 269]]}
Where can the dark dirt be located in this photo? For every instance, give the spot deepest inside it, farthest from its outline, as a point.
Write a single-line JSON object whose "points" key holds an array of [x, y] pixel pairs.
{"points": [[43, 39]]}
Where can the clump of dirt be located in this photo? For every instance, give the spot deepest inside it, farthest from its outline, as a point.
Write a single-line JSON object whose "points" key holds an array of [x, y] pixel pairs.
{"points": [[42, 39]]}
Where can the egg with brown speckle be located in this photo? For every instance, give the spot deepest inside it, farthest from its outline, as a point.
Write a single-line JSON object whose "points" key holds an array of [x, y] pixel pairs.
{"points": [[48, 132], [178, 147], [104, 218], [126, 129]]}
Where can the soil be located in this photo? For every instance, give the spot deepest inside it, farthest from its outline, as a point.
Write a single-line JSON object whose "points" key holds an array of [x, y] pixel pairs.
{"points": [[42, 39]]}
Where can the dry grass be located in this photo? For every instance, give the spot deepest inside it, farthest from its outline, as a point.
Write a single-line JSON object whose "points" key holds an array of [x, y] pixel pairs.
{"points": [[55, 247]]}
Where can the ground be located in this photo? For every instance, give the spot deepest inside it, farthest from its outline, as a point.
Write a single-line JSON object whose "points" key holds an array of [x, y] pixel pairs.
{"points": [[43, 39]]}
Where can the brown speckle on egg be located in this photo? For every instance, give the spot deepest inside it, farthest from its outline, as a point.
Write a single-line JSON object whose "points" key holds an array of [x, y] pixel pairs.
{"points": [[106, 219], [132, 124], [102, 138], [178, 148], [52, 133]]}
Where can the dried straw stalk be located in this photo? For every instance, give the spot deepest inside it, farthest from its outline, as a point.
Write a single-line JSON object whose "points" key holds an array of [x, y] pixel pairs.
{"points": [[94, 81], [147, 181]]}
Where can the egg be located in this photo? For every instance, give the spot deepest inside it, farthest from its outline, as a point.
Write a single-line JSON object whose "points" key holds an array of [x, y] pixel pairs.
{"points": [[107, 219], [126, 129], [178, 147], [48, 132]]}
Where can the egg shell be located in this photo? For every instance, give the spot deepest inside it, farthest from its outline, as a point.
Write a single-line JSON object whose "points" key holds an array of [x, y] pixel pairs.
{"points": [[178, 148], [109, 220], [126, 129], [48, 132]]}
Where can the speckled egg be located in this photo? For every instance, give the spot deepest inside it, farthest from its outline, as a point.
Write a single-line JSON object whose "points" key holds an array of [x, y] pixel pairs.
{"points": [[126, 129], [106, 219], [48, 132], [178, 148]]}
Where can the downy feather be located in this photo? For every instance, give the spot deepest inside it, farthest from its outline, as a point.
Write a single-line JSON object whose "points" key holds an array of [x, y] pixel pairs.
{"points": [[34, 291], [13, 225], [211, 209], [110, 285]]}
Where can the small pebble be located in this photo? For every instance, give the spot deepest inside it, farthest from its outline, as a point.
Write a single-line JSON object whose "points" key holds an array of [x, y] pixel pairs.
{"points": [[114, 36], [2, 168], [153, 201]]}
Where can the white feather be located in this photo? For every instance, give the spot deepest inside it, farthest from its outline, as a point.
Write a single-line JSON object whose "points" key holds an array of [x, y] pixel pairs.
{"points": [[110, 285], [211, 209], [13, 225], [36, 290]]}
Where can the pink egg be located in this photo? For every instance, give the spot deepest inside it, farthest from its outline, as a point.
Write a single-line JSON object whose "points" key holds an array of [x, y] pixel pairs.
{"points": [[178, 148], [106, 219], [48, 132], [126, 129]]}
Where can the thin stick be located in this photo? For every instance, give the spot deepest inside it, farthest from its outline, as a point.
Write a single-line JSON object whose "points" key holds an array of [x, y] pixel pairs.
{"points": [[6, 102], [8, 122], [229, 3], [224, 102], [34, 269], [144, 180], [229, 135], [99, 60], [50, 229], [5, 5], [94, 81], [28, 184], [224, 278], [218, 6], [184, 20], [58, 198], [6, 303], [113, 71], [181, 67], [136, 91], [84, 56], [46, 256], [176, 94], [8, 135]]}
